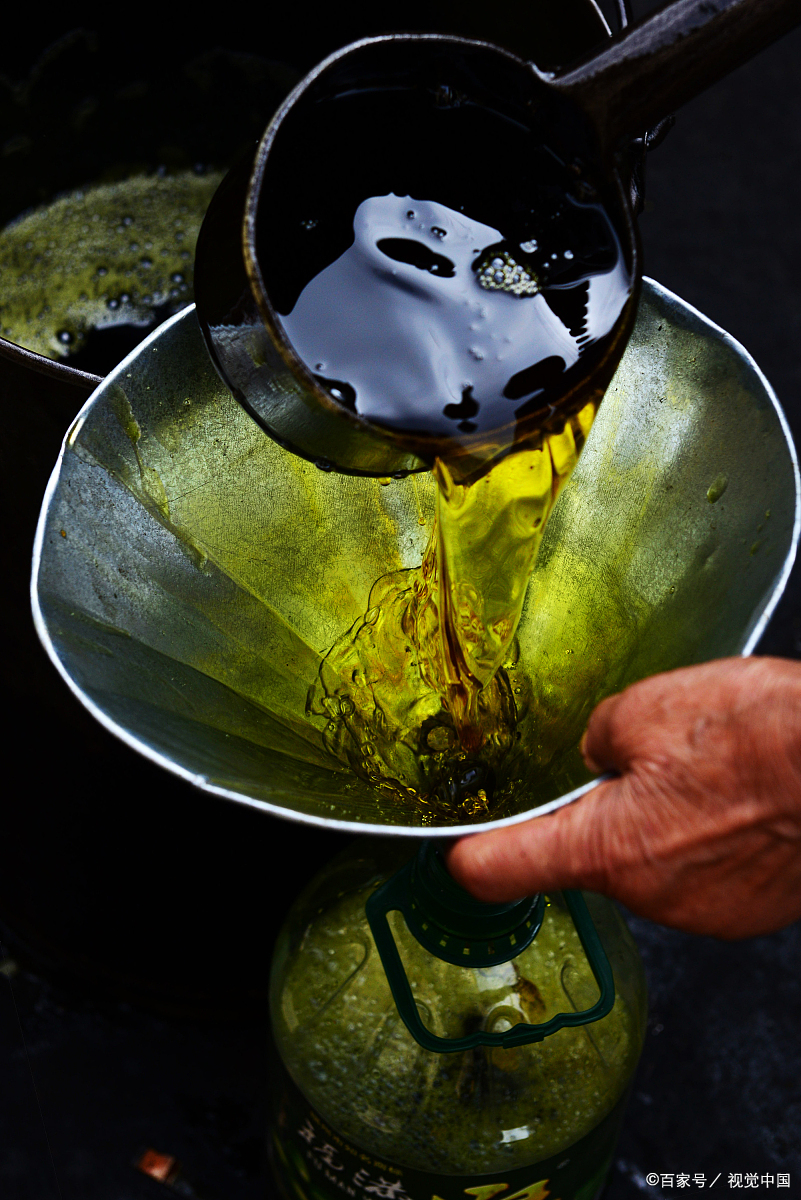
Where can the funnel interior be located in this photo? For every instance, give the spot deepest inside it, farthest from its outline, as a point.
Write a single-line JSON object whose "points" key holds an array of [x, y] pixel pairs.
{"points": [[189, 573]]}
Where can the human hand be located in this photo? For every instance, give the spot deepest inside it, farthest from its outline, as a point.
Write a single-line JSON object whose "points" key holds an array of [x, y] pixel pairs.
{"points": [[701, 829]]}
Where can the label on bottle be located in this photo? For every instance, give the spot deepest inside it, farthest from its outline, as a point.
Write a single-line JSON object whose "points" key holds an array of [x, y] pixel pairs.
{"points": [[311, 1161]]}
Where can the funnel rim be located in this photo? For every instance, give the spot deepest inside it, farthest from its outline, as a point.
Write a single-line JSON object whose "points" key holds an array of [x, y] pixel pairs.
{"points": [[349, 826]]}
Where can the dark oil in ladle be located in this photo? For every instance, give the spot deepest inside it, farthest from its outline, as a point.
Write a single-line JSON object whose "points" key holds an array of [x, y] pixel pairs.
{"points": [[455, 281]]}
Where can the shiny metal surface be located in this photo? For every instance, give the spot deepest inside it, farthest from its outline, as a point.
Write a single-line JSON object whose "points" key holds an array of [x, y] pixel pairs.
{"points": [[189, 573]]}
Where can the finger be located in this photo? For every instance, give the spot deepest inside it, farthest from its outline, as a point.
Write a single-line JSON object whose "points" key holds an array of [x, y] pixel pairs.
{"points": [[652, 714], [600, 745], [564, 849], [626, 726]]}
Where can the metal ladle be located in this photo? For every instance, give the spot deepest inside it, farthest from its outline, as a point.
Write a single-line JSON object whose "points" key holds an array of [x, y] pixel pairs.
{"points": [[586, 116]]}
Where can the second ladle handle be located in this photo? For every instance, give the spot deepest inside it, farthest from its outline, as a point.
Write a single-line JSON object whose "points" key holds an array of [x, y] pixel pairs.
{"points": [[669, 58]]}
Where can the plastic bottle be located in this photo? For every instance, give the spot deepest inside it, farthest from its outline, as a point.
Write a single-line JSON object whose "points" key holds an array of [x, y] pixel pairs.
{"points": [[526, 1096]]}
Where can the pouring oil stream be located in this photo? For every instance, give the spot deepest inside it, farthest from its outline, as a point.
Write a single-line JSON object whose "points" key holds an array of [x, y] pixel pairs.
{"points": [[440, 243]]}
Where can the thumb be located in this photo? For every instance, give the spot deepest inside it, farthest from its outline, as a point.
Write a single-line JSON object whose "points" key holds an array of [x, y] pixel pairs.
{"points": [[564, 849], [602, 745]]}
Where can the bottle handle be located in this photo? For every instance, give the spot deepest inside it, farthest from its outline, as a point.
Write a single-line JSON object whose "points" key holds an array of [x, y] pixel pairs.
{"points": [[394, 894]]}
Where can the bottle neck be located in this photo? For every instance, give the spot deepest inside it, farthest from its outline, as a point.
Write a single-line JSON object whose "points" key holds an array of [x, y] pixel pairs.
{"points": [[454, 926]]}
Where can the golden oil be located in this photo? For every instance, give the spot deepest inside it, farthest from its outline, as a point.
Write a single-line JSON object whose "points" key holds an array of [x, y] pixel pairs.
{"points": [[419, 695]]}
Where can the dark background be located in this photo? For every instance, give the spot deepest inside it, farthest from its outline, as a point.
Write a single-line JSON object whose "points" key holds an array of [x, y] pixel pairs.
{"points": [[137, 915]]}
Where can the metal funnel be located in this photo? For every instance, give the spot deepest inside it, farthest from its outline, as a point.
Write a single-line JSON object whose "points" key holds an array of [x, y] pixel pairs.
{"points": [[189, 573]]}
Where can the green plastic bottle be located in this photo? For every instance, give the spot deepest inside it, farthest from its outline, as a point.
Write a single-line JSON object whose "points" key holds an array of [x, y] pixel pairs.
{"points": [[406, 1075]]}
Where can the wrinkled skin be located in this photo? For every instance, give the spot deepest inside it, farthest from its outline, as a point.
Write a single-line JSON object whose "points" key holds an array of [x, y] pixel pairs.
{"points": [[701, 830]]}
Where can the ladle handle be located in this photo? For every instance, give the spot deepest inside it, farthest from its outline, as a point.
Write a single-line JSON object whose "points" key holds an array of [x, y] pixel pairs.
{"points": [[670, 57]]}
